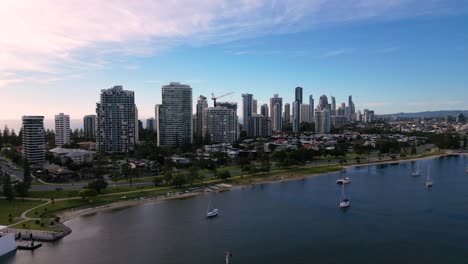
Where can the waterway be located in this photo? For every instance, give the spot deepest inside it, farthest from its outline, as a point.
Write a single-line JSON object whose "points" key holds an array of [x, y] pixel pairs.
{"points": [[393, 218]]}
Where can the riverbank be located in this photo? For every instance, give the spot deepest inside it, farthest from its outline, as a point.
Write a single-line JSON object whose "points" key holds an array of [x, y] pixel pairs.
{"points": [[233, 183], [68, 208]]}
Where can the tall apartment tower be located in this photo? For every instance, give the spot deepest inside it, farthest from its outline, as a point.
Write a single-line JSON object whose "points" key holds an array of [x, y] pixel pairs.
{"points": [[202, 104], [89, 125], [254, 110], [351, 110], [175, 115], [62, 129], [323, 103], [305, 116], [259, 126], [311, 107], [322, 121], [333, 106], [151, 124], [287, 113], [116, 121], [276, 111], [247, 109], [298, 94], [33, 140], [264, 110], [219, 125], [296, 117]]}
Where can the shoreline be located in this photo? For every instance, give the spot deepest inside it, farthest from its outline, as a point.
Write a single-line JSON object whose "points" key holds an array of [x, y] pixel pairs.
{"points": [[68, 215]]}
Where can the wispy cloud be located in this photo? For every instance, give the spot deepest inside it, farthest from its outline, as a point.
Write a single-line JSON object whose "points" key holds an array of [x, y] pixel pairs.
{"points": [[388, 50], [336, 52], [45, 37]]}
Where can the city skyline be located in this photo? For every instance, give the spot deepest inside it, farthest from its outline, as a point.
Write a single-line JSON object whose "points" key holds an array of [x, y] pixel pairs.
{"points": [[411, 52]]}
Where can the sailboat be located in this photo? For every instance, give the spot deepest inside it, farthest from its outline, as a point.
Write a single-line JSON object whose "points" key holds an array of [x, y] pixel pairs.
{"points": [[428, 179], [415, 171], [344, 201], [211, 212]]}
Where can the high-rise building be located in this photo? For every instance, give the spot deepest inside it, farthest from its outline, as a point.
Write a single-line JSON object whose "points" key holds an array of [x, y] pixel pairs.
{"points": [[351, 110], [33, 140], [264, 110], [228, 105], [305, 117], [254, 106], [247, 109], [298, 95], [333, 106], [62, 129], [311, 107], [259, 126], [368, 116], [278, 126], [276, 113], [296, 117], [219, 125], [174, 123], [89, 125], [137, 126], [358, 116], [202, 104], [323, 103], [116, 121], [287, 113], [151, 124], [322, 121], [338, 121]]}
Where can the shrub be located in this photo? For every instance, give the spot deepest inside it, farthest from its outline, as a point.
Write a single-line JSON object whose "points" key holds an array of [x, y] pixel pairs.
{"points": [[37, 222]]}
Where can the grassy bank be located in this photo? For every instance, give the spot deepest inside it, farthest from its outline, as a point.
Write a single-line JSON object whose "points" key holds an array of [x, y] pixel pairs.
{"points": [[13, 210]]}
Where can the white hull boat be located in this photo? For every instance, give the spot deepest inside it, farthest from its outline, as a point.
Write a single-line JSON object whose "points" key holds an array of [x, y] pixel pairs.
{"points": [[343, 180]]}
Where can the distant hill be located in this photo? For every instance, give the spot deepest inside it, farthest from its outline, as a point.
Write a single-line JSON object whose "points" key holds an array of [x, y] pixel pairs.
{"points": [[429, 114]]}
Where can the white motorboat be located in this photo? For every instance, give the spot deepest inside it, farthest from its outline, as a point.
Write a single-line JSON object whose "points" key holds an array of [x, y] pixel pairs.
{"points": [[344, 201], [343, 180]]}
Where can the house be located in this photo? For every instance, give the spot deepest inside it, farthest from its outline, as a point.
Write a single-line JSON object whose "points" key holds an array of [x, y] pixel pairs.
{"points": [[77, 156]]}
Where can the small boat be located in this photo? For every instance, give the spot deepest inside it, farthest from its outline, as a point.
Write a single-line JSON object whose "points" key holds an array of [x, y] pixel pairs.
{"points": [[343, 180], [428, 179], [211, 212], [344, 201], [415, 172]]}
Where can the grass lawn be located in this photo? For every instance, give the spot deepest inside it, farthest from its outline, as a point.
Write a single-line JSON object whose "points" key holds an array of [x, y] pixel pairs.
{"points": [[49, 209], [15, 208], [36, 226]]}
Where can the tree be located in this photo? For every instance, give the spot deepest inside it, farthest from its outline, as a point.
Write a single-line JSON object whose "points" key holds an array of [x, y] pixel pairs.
{"points": [[115, 177], [192, 174], [22, 189], [223, 175], [158, 180], [178, 180], [26, 172], [97, 185], [7, 188], [89, 194]]}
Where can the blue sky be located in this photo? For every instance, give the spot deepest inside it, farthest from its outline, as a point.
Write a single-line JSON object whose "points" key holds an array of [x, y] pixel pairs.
{"points": [[392, 56]]}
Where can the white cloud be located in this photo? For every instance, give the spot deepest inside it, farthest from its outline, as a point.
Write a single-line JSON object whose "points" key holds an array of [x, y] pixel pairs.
{"points": [[337, 52], [48, 36]]}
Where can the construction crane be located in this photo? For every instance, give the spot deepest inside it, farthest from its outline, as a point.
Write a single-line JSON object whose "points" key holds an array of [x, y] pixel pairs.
{"points": [[213, 97]]}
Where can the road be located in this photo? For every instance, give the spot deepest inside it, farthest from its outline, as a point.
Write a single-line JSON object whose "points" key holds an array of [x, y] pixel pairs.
{"points": [[79, 186], [11, 169]]}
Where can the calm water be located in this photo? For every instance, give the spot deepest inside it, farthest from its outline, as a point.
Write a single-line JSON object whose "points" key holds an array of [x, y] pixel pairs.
{"points": [[393, 219]]}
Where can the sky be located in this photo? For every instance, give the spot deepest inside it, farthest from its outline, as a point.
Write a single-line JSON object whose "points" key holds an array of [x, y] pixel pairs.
{"points": [[392, 56]]}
